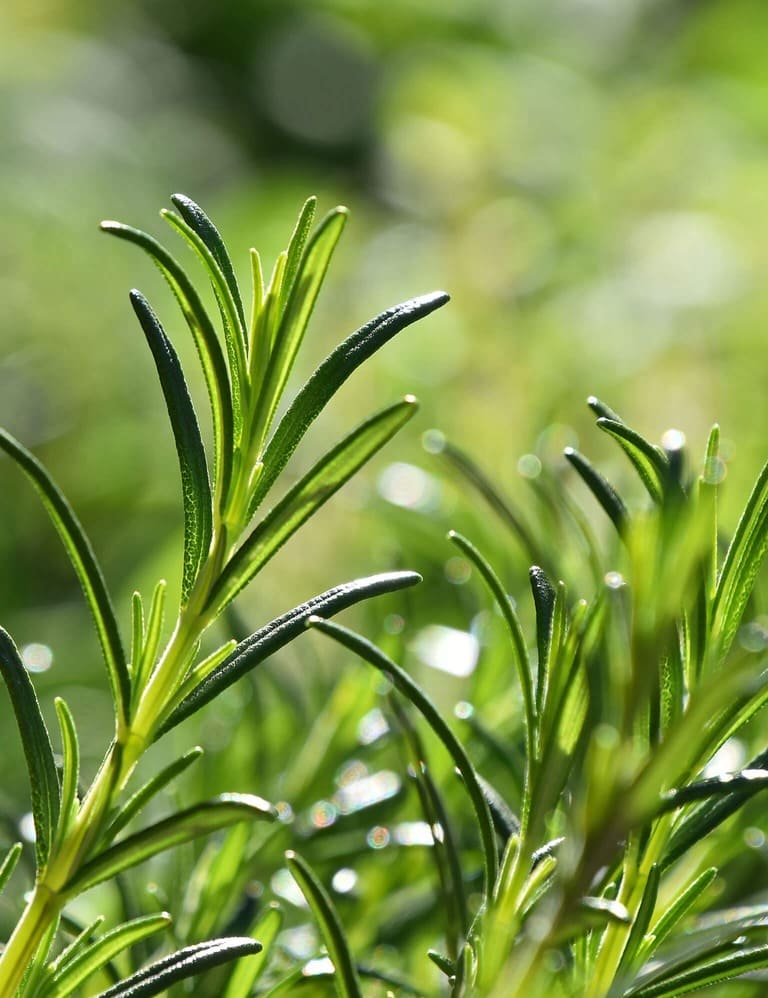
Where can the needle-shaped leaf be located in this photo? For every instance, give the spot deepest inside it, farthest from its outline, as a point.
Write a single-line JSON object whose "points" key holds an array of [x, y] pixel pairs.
{"points": [[345, 977], [84, 562], [650, 463], [605, 494], [75, 971], [603, 411], [234, 328], [196, 490], [295, 317], [249, 969], [306, 497], [327, 380], [151, 789], [491, 494], [8, 864], [202, 819], [416, 695], [296, 246], [71, 765], [716, 969], [279, 632], [206, 341], [44, 782], [182, 965], [197, 219], [544, 596], [677, 910], [520, 652], [715, 786], [742, 562]]}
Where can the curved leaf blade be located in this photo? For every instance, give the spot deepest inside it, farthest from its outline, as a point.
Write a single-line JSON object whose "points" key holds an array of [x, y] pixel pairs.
{"points": [[197, 219], [414, 693], [178, 828], [345, 977], [38, 753], [742, 563], [329, 377], [650, 463], [71, 766], [83, 560], [312, 491], [196, 490], [88, 961], [293, 323], [150, 789], [234, 330], [206, 342], [279, 632], [604, 492], [249, 970], [8, 864], [180, 966]]}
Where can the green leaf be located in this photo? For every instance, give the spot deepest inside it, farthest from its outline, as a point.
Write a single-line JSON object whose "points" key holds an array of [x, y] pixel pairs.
{"points": [[295, 317], [544, 599], [180, 966], [234, 329], [601, 410], [202, 819], [44, 782], [742, 562], [295, 252], [279, 632], [138, 801], [327, 380], [73, 972], [83, 560], [501, 506], [71, 766], [520, 652], [681, 906], [641, 921], [414, 693], [248, 970], [649, 462], [197, 219], [206, 342], [711, 813], [605, 494], [713, 971], [8, 864], [345, 977], [196, 490], [715, 786], [325, 478], [143, 668]]}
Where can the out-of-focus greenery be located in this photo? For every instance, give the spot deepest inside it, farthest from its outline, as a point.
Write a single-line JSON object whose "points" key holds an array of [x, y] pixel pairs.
{"points": [[587, 178]]}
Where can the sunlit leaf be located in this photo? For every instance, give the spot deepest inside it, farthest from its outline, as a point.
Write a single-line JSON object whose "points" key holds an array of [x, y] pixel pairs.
{"points": [[71, 765], [414, 693], [273, 636], [249, 969], [325, 478], [327, 380], [196, 490], [82, 965], [43, 779], [175, 830], [81, 555], [605, 494], [182, 965], [345, 977], [208, 348], [8, 864]]}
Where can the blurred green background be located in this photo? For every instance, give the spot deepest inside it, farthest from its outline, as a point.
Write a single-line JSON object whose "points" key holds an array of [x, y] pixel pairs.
{"points": [[587, 178]]}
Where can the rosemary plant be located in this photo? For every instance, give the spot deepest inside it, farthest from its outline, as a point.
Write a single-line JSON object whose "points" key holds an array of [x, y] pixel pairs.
{"points": [[598, 875], [81, 840]]}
